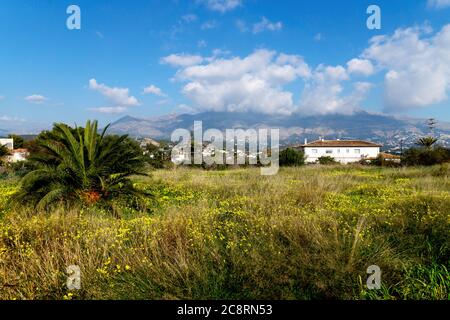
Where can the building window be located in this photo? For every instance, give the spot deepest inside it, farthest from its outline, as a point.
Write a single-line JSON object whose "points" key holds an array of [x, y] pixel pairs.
{"points": [[348, 150], [358, 151], [338, 150], [314, 150], [329, 151]]}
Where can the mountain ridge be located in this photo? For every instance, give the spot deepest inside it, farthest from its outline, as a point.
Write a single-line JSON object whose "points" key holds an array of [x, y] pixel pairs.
{"points": [[391, 131]]}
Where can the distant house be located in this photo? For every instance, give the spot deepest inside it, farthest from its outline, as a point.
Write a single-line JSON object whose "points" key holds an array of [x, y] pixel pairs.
{"points": [[18, 155], [343, 151], [147, 142], [388, 157], [15, 155], [9, 143]]}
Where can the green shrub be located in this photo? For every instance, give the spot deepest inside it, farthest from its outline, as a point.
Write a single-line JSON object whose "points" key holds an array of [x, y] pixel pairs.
{"points": [[327, 160], [4, 151], [424, 156], [291, 158], [19, 142]]}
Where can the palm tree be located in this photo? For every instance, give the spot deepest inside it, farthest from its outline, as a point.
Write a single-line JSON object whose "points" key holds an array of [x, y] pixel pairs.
{"points": [[78, 165], [427, 142]]}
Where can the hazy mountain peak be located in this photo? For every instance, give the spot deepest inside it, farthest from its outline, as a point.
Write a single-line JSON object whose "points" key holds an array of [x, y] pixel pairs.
{"points": [[385, 129]]}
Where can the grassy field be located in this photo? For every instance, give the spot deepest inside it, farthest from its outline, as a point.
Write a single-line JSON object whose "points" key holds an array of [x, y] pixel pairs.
{"points": [[306, 233]]}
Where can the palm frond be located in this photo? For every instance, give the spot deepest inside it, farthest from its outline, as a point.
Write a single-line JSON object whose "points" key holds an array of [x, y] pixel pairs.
{"points": [[51, 197], [79, 164]]}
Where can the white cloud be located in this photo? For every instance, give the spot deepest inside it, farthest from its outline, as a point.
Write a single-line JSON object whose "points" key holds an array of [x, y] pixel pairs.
{"points": [[417, 64], [360, 66], [217, 53], [152, 89], [184, 108], [331, 73], [188, 18], [202, 44], [163, 102], [324, 92], [283, 70], [241, 25], [208, 25], [254, 83], [265, 24], [439, 4], [2, 98], [182, 60], [119, 97], [318, 37], [36, 99], [180, 26], [363, 86], [11, 119], [110, 110], [221, 5]]}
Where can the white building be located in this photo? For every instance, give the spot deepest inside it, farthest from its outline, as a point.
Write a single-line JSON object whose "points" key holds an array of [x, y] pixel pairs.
{"points": [[15, 155], [9, 143], [343, 151], [18, 155]]}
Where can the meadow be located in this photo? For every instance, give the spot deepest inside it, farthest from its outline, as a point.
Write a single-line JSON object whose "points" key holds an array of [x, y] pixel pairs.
{"points": [[307, 233]]}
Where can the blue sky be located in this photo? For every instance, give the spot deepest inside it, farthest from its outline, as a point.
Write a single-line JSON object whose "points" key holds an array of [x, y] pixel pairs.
{"points": [[154, 57]]}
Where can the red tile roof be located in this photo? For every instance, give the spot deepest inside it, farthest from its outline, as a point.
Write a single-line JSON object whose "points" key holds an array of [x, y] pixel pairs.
{"points": [[390, 156], [20, 151], [341, 143]]}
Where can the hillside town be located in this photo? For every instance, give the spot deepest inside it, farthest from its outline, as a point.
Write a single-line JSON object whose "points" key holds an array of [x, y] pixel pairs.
{"points": [[341, 151]]}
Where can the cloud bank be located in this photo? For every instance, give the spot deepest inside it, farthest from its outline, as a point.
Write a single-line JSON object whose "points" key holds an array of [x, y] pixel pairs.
{"points": [[417, 65], [119, 98], [221, 5], [439, 4], [254, 83], [36, 99], [152, 89], [414, 63]]}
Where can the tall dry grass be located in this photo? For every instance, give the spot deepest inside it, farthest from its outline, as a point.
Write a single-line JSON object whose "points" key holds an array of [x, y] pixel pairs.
{"points": [[306, 233]]}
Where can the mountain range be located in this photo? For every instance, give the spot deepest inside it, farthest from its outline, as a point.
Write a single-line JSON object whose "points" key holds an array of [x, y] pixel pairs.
{"points": [[393, 132]]}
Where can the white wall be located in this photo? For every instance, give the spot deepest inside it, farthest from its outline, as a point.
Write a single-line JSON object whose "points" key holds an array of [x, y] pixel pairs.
{"points": [[341, 154], [17, 157], [9, 143]]}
